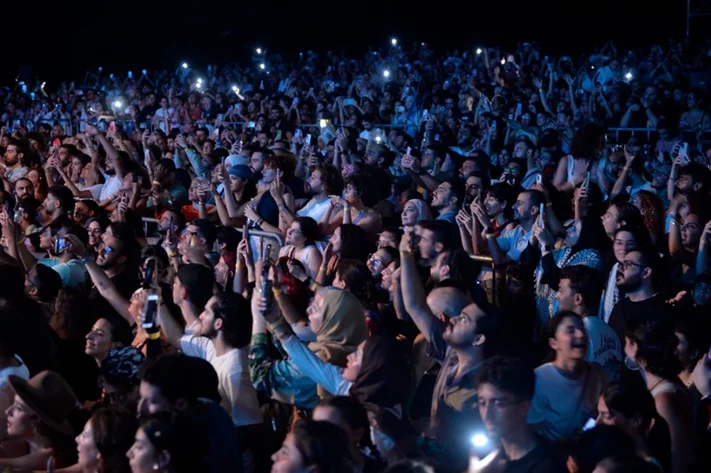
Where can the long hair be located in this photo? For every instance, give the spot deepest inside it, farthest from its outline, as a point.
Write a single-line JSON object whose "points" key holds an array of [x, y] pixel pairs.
{"points": [[325, 446], [113, 432]]}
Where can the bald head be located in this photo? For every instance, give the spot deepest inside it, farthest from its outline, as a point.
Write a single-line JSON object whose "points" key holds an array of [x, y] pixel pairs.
{"points": [[449, 301]]}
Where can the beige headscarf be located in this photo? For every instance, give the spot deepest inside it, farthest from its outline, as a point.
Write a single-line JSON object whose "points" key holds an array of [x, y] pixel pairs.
{"points": [[343, 327]]}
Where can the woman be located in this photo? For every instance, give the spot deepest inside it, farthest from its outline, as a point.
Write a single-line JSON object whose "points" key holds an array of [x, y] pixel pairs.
{"points": [[314, 446], [626, 239], [348, 242], [684, 237], [355, 207], [652, 210], [587, 251], [170, 443], [86, 181], [414, 211], [39, 417], [39, 184], [108, 332], [584, 158], [337, 326], [263, 209], [377, 375], [568, 388], [650, 347], [498, 202], [102, 445], [301, 245], [621, 214], [350, 415], [119, 377], [85, 209], [96, 227], [631, 407]]}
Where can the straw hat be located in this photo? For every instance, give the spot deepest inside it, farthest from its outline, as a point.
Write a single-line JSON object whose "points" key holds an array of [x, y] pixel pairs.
{"points": [[49, 397]]}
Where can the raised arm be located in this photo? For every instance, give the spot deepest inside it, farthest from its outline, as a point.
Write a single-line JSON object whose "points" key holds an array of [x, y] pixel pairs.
{"points": [[413, 293]]}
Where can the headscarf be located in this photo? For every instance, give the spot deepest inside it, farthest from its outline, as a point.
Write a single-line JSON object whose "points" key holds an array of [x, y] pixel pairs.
{"points": [[423, 210], [343, 327], [384, 378]]}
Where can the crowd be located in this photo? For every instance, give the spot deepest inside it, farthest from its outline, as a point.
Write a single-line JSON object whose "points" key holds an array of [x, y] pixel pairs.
{"points": [[484, 261]]}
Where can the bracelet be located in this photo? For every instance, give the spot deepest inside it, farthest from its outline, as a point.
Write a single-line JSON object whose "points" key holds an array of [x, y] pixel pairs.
{"points": [[406, 253], [156, 183], [313, 286], [277, 291], [490, 236], [153, 336]]}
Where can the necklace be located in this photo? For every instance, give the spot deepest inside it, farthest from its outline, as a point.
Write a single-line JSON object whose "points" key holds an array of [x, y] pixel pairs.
{"points": [[650, 389]]}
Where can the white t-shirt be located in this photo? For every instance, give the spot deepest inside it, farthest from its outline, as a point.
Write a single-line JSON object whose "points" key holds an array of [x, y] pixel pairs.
{"points": [[514, 241], [604, 347], [239, 397], [110, 188], [560, 407], [314, 209]]}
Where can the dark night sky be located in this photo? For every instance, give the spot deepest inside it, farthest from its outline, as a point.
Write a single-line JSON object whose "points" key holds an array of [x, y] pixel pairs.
{"points": [[94, 33]]}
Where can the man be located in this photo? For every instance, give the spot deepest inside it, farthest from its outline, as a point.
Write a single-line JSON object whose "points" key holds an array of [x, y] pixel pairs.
{"points": [[525, 149], [118, 260], [42, 284], [460, 346], [117, 163], [17, 151], [198, 242], [66, 261], [636, 277], [24, 188], [579, 292], [434, 237], [165, 387], [169, 191], [505, 388], [256, 161], [445, 200], [58, 205], [511, 242], [223, 338], [192, 289]]}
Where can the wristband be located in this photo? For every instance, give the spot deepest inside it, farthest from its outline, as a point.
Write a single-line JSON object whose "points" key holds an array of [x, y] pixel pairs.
{"points": [[490, 236], [153, 336], [313, 286], [277, 291], [406, 253]]}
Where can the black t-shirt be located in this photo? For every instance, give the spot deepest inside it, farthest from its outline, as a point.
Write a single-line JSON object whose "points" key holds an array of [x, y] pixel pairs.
{"points": [[626, 310], [542, 459]]}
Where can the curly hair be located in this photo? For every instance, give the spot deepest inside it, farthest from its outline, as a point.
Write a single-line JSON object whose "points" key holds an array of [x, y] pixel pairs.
{"points": [[113, 431], [652, 210]]}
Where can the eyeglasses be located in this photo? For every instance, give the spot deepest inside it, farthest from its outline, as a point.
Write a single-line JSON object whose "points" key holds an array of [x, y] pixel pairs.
{"points": [[626, 264], [375, 261], [498, 403]]}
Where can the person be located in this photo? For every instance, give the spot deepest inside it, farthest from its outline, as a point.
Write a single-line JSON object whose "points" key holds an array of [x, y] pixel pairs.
{"points": [[350, 415], [301, 245], [106, 438], [222, 340], [165, 388], [415, 211], [579, 291], [108, 332], [650, 347], [567, 388], [637, 276], [39, 416], [315, 446], [598, 443], [118, 377], [168, 442], [631, 407], [445, 200], [505, 389], [460, 346], [66, 261]]}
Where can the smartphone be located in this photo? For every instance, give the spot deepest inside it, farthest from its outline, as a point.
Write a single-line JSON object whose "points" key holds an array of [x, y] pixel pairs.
{"points": [[308, 140], [150, 311], [278, 135], [519, 108], [56, 142], [245, 232], [586, 183], [425, 114], [112, 126], [541, 212], [539, 179], [409, 150], [251, 125], [60, 245], [149, 272], [297, 133]]}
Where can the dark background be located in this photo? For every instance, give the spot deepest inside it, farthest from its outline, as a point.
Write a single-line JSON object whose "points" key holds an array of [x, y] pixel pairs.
{"points": [[63, 40]]}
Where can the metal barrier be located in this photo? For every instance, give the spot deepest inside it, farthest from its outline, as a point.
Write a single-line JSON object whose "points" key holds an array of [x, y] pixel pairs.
{"points": [[632, 131], [269, 235]]}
